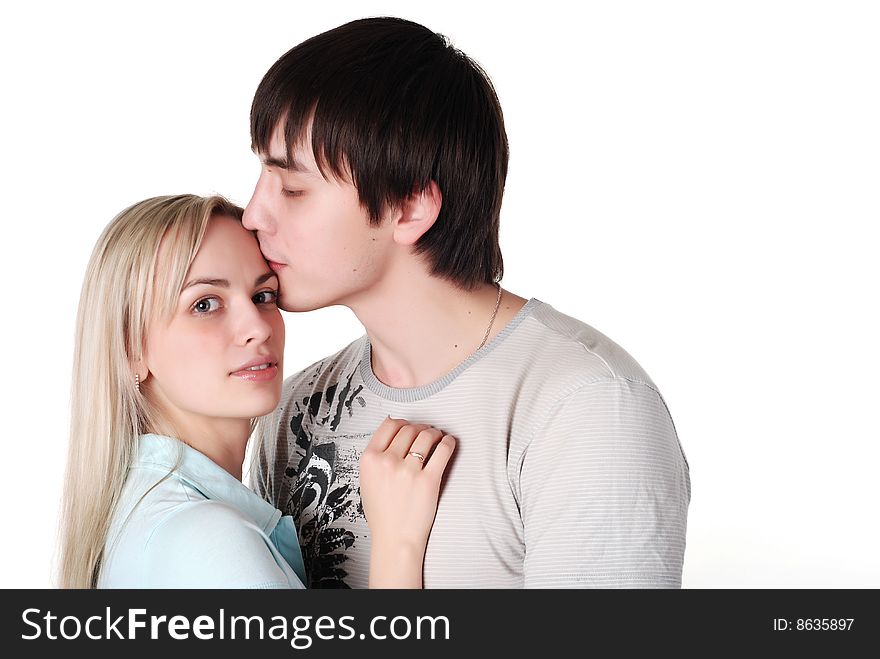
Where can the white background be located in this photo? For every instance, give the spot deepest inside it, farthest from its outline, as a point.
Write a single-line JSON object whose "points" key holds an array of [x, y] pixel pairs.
{"points": [[698, 180]]}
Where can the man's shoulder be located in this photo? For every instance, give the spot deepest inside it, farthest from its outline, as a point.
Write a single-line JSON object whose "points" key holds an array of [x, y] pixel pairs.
{"points": [[577, 353], [341, 364]]}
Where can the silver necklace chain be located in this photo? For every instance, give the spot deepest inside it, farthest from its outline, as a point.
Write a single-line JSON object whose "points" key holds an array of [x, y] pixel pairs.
{"points": [[492, 322]]}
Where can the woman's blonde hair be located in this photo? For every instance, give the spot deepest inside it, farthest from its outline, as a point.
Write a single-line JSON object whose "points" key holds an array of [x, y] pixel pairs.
{"points": [[125, 288]]}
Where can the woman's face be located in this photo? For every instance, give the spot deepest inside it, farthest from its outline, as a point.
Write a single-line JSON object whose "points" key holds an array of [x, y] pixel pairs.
{"points": [[219, 357]]}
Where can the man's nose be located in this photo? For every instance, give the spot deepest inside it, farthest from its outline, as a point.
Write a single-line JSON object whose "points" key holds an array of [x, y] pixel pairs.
{"points": [[254, 218]]}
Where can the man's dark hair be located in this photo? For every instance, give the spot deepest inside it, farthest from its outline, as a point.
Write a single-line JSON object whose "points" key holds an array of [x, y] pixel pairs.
{"points": [[393, 107]]}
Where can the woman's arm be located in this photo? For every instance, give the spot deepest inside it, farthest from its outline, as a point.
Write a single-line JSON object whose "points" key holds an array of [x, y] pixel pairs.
{"points": [[401, 470], [210, 544]]}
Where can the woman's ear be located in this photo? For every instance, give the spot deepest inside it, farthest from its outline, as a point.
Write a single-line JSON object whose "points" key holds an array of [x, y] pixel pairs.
{"points": [[139, 369], [416, 214]]}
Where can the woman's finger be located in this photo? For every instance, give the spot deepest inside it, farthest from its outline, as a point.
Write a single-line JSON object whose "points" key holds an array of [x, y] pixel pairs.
{"points": [[386, 432], [422, 446], [440, 457], [404, 438]]}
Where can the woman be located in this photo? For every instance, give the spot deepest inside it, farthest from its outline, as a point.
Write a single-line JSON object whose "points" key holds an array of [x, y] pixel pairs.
{"points": [[179, 348]]}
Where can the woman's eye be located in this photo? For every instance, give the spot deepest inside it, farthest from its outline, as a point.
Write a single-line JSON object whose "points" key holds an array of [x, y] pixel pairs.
{"points": [[291, 193], [266, 297], [206, 305]]}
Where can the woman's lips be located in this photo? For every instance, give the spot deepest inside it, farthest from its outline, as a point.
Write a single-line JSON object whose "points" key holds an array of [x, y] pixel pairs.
{"points": [[274, 265], [261, 375]]}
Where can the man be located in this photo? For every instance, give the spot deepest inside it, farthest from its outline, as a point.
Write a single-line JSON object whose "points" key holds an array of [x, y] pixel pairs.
{"points": [[384, 160]]}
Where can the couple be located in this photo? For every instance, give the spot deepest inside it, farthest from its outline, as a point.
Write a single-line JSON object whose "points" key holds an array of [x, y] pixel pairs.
{"points": [[384, 158]]}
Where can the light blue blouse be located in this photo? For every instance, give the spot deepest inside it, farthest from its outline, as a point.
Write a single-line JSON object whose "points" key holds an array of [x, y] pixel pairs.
{"points": [[199, 527]]}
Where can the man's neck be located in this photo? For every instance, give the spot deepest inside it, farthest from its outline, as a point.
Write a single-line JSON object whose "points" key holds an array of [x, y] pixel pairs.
{"points": [[423, 328]]}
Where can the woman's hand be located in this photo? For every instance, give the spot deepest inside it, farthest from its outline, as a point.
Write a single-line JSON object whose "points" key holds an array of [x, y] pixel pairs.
{"points": [[401, 469]]}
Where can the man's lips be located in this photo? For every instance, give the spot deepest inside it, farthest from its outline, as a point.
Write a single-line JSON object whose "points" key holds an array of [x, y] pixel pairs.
{"points": [[273, 264]]}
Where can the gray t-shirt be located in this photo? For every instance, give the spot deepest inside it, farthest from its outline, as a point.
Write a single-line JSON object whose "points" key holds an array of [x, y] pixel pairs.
{"points": [[567, 473]]}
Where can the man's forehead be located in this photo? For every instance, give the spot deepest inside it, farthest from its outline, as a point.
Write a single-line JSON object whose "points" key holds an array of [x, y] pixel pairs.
{"points": [[297, 161], [300, 157]]}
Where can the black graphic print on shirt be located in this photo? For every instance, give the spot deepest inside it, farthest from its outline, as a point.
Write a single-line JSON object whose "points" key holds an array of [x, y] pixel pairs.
{"points": [[321, 476]]}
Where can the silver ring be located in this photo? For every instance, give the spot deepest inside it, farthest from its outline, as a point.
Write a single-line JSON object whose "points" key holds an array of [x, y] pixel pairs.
{"points": [[417, 456]]}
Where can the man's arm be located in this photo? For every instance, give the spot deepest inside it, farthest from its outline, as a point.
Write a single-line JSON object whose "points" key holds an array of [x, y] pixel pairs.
{"points": [[605, 490]]}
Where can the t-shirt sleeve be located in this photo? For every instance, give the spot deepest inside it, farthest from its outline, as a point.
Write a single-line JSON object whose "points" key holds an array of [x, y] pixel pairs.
{"points": [[605, 489], [208, 544], [261, 476], [274, 444]]}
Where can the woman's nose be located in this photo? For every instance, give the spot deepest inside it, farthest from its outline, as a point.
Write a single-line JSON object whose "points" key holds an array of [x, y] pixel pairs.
{"points": [[254, 325]]}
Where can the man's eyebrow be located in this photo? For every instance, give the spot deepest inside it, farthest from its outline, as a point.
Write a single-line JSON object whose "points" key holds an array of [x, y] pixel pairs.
{"points": [[283, 163], [224, 283]]}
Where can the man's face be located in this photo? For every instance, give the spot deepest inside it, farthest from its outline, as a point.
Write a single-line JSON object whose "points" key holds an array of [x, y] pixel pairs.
{"points": [[313, 231]]}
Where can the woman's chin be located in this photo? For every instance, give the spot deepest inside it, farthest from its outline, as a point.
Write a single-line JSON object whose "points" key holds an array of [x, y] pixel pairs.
{"points": [[266, 408], [254, 407]]}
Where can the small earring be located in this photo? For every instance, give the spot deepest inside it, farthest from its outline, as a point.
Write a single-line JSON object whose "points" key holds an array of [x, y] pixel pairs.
{"points": [[137, 382]]}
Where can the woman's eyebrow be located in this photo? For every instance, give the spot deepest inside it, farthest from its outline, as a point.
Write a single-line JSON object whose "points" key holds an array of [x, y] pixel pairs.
{"points": [[224, 283]]}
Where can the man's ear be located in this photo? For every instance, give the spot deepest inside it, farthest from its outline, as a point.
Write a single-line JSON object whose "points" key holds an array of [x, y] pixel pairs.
{"points": [[416, 214]]}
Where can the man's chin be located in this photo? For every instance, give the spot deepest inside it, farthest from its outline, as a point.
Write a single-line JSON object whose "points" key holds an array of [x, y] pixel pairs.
{"points": [[298, 306]]}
